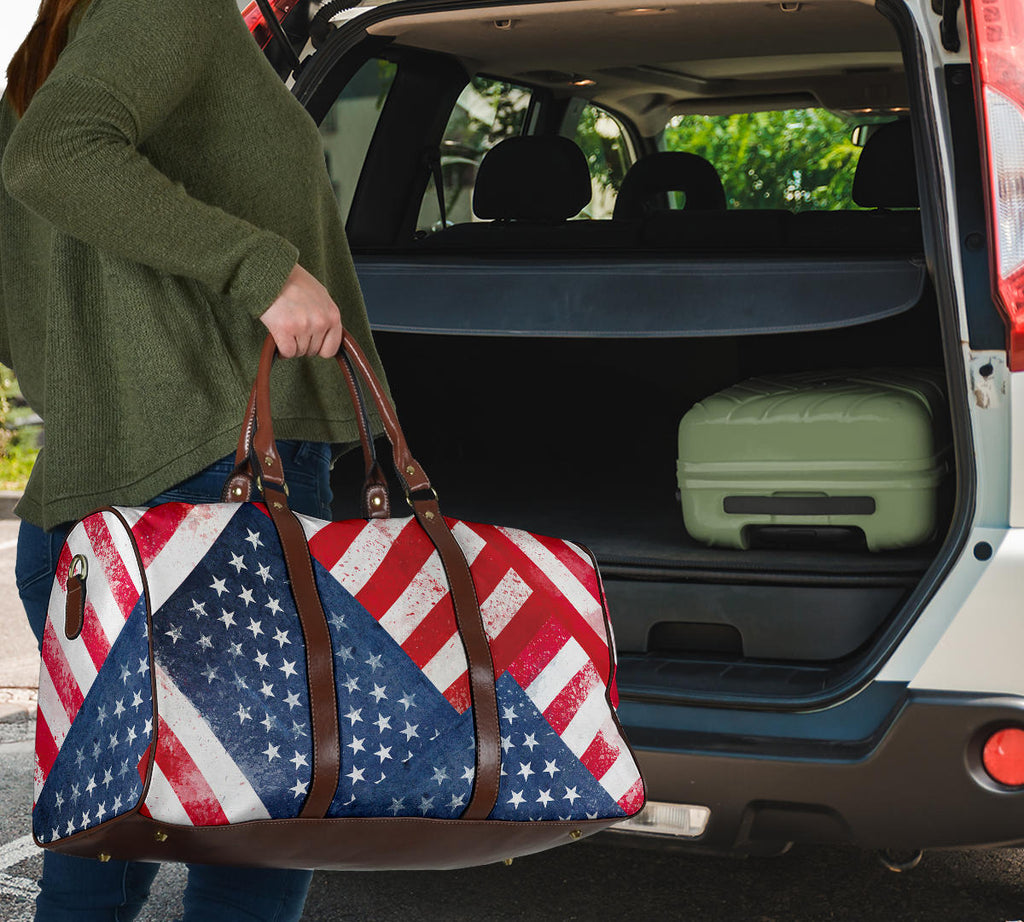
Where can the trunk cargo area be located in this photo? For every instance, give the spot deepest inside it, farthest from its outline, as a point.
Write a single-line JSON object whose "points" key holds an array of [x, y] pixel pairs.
{"points": [[577, 438]]}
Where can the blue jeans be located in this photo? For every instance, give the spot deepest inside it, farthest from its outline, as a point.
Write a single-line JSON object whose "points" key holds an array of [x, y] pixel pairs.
{"points": [[83, 890]]}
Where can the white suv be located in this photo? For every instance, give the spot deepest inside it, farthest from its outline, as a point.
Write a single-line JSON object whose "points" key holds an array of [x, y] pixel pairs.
{"points": [[545, 330]]}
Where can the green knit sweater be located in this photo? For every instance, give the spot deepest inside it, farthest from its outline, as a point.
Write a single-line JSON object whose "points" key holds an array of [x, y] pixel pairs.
{"points": [[156, 194]]}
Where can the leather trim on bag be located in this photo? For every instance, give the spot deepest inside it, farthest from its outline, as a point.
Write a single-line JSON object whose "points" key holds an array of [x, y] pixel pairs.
{"points": [[74, 607], [408, 469], [323, 701], [376, 503], [482, 689], [239, 486], [357, 843]]}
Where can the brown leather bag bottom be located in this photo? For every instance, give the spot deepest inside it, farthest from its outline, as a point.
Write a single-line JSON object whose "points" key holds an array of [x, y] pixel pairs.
{"points": [[356, 843]]}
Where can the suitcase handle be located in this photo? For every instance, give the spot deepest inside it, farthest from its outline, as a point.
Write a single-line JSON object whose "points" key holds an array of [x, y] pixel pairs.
{"points": [[257, 456]]}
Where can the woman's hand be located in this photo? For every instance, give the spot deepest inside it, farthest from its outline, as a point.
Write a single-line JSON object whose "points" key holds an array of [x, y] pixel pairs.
{"points": [[304, 320]]}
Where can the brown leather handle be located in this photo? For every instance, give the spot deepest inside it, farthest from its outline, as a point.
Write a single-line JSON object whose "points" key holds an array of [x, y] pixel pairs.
{"points": [[376, 502], [257, 448], [240, 485]]}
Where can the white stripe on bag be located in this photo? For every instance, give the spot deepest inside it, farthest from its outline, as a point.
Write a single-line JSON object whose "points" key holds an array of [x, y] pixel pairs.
{"points": [[558, 673], [190, 543], [236, 796], [561, 576]]}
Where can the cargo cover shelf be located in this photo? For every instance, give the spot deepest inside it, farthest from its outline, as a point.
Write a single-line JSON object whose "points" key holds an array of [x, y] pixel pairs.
{"points": [[635, 296]]}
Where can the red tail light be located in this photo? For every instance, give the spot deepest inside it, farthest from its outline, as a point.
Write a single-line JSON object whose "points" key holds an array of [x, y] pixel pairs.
{"points": [[257, 26], [1003, 756], [997, 37]]}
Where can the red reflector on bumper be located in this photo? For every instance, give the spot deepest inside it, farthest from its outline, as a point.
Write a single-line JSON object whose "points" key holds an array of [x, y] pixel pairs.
{"points": [[1003, 757]]}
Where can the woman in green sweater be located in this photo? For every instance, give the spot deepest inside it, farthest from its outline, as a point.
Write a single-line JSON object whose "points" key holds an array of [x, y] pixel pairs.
{"points": [[164, 203]]}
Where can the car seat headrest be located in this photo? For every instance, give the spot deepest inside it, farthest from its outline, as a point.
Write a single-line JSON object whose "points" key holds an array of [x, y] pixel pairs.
{"points": [[886, 174], [532, 178], [669, 171]]}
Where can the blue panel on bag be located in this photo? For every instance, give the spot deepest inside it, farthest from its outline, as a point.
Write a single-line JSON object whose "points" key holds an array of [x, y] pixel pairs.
{"points": [[405, 750], [541, 778], [230, 639], [96, 775]]}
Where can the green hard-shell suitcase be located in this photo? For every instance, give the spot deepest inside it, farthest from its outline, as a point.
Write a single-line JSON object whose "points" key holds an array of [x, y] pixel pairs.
{"points": [[860, 450]]}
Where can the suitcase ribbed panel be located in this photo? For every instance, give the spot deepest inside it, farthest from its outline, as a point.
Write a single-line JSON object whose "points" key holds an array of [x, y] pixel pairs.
{"points": [[863, 449]]}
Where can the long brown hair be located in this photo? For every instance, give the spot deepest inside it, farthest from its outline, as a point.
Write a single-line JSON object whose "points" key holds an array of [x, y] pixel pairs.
{"points": [[34, 60]]}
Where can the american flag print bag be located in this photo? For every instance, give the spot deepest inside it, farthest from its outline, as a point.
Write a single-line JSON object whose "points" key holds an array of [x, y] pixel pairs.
{"points": [[235, 683]]}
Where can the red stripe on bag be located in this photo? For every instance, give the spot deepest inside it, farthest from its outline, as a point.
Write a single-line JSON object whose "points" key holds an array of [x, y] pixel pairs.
{"points": [[570, 699], [157, 527], [532, 620], [190, 786], [538, 653], [600, 755], [633, 799], [555, 603], [432, 633], [119, 581], [46, 746], [63, 565], [64, 682], [93, 637], [400, 566], [488, 570], [579, 567], [329, 544]]}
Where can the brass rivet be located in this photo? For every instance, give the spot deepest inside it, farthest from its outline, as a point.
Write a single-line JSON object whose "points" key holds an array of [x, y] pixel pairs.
{"points": [[410, 469], [278, 506], [268, 461], [509, 861], [575, 834], [428, 514], [377, 500], [160, 836], [103, 856], [237, 491]]}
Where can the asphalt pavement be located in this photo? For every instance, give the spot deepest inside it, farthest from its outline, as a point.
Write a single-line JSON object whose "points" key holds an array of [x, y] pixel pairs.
{"points": [[594, 880]]}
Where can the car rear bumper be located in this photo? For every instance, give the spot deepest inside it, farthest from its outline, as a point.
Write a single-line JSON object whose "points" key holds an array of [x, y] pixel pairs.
{"points": [[918, 783]]}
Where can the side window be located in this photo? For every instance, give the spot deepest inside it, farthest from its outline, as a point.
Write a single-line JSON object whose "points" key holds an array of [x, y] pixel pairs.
{"points": [[348, 126], [609, 155], [795, 159], [487, 111]]}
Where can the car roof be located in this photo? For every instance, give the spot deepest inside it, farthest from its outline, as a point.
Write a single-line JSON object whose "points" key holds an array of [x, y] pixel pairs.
{"points": [[681, 56]]}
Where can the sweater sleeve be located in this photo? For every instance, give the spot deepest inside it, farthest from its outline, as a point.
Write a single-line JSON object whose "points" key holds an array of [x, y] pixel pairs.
{"points": [[74, 157]]}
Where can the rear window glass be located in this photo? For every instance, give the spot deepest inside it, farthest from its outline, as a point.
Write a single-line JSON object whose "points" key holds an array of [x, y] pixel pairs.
{"points": [[487, 111], [605, 144], [348, 126], [796, 159]]}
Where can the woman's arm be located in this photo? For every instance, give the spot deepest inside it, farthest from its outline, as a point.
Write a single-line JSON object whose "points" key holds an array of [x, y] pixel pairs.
{"points": [[74, 157]]}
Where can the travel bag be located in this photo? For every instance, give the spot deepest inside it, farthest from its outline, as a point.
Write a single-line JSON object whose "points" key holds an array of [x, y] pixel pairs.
{"points": [[801, 457], [234, 683]]}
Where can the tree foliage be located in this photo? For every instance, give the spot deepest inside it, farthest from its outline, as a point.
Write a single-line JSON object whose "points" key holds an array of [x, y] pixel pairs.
{"points": [[603, 144], [795, 159]]}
